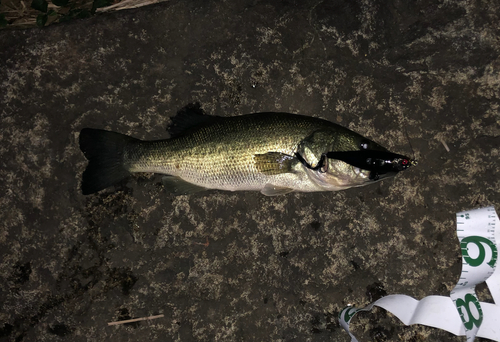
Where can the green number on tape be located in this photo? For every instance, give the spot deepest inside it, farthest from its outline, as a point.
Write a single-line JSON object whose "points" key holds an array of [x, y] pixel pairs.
{"points": [[478, 241], [349, 313], [469, 298]]}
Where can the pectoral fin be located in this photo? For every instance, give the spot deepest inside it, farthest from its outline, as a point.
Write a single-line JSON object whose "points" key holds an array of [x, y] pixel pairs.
{"points": [[274, 163], [272, 190], [179, 186]]}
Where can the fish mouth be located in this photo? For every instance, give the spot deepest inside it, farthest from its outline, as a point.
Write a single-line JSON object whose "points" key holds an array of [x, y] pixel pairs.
{"points": [[338, 175], [373, 160], [376, 161], [356, 169]]}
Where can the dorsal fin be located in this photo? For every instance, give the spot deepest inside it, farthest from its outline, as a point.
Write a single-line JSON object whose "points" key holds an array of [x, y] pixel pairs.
{"points": [[187, 118]]}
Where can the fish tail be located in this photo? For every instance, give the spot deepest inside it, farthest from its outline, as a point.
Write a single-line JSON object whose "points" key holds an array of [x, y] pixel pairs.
{"points": [[104, 151]]}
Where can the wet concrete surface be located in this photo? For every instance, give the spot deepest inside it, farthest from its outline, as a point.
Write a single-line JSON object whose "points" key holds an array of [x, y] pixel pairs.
{"points": [[241, 266]]}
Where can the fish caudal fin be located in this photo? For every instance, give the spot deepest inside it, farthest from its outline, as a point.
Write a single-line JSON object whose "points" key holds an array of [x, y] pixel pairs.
{"points": [[104, 151]]}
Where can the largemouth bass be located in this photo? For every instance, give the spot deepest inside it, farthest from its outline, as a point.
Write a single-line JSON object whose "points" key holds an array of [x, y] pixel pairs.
{"points": [[274, 153]]}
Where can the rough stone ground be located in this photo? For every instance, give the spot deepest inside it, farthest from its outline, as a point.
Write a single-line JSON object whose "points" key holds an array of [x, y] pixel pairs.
{"points": [[274, 269]]}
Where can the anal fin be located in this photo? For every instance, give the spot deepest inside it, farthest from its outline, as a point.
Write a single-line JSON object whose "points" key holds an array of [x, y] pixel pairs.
{"points": [[273, 190], [179, 186]]}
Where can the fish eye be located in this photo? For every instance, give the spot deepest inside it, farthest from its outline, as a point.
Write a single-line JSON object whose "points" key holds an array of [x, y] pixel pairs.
{"points": [[364, 145]]}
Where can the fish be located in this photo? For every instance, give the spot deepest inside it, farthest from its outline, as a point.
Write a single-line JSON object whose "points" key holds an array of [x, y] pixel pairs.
{"points": [[271, 152]]}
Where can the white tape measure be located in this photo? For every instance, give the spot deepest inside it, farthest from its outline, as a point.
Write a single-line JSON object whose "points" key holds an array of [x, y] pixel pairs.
{"points": [[478, 233]]}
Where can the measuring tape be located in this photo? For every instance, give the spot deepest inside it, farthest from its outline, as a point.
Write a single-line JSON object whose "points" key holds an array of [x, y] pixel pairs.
{"points": [[462, 313]]}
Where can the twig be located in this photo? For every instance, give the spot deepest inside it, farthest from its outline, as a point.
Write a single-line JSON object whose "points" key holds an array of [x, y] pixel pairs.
{"points": [[202, 244], [135, 320], [445, 145], [127, 4]]}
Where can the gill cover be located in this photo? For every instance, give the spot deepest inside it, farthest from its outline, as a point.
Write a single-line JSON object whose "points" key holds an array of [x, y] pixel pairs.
{"points": [[311, 150]]}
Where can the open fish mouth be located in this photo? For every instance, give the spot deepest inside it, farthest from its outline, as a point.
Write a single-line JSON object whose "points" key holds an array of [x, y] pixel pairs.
{"points": [[378, 163]]}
